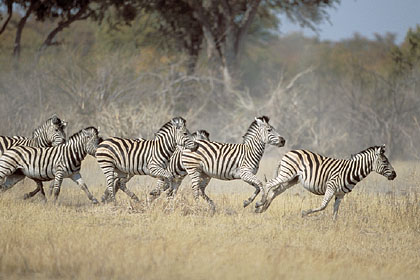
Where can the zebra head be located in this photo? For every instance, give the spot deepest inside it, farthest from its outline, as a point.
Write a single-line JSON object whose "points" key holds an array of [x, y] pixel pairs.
{"points": [[381, 164], [51, 133], [201, 135], [92, 139], [183, 137], [268, 133]]}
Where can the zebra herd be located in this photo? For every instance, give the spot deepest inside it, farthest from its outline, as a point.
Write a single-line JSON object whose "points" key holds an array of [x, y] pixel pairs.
{"points": [[175, 152]]}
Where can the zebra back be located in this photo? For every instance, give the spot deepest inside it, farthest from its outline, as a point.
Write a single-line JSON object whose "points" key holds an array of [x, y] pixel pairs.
{"points": [[42, 163], [314, 170], [50, 133], [175, 164], [226, 160], [138, 156]]}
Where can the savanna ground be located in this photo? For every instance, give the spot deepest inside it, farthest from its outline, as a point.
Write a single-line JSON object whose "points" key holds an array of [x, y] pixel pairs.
{"points": [[377, 235]]}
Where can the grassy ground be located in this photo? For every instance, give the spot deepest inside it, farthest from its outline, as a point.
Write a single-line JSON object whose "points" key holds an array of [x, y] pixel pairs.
{"points": [[377, 235]]}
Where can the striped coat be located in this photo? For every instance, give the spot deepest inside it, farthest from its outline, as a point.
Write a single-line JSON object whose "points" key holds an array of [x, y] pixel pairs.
{"points": [[324, 175], [121, 158], [227, 161], [176, 168], [50, 133], [52, 163]]}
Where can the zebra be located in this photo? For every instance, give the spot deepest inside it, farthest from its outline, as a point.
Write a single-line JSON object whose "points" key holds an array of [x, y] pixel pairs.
{"points": [[324, 175], [227, 161], [50, 133], [58, 162], [120, 158], [176, 168]]}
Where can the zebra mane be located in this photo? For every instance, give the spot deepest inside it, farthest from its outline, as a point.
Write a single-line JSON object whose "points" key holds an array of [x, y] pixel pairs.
{"points": [[170, 124], [75, 135], [364, 152], [163, 130], [53, 120], [253, 128]]}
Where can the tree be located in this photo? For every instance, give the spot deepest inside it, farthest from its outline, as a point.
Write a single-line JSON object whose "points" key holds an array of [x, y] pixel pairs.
{"points": [[66, 11], [225, 24]]}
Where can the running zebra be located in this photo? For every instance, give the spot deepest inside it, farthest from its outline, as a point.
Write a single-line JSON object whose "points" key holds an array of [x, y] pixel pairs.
{"points": [[227, 161], [325, 176], [50, 133], [120, 159], [45, 164], [176, 168]]}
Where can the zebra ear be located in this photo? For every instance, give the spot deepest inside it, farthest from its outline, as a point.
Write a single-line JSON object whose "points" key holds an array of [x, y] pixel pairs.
{"points": [[55, 120], [206, 134], [259, 121], [178, 122], [383, 149]]}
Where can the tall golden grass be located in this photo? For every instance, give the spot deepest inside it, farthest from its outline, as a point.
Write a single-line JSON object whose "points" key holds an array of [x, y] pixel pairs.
{"points": [[376, 236]]}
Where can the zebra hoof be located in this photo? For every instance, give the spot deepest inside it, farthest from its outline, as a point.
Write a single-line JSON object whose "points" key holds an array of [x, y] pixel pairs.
{"points": [[95, 201], [246, 203], [305, 213], [26, 196]]}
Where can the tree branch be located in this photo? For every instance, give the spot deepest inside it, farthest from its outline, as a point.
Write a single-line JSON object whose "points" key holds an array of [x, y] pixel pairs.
{"points": [[9, 15]]}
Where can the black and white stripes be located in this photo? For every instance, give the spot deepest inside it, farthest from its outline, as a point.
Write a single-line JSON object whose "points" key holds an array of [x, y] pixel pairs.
{"points": [[50, 133], [121, 158], [45, 164], [231, 161], [325, 176], [176, 168]]}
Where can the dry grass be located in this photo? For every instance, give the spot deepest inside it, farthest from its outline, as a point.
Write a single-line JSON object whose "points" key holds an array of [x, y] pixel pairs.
{"points": [[377, 235]]}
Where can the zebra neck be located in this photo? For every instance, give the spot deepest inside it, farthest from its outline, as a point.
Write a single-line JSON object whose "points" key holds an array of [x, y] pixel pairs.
{"points": [[255, 150], [40, 140], [76, 149], [164, 148], [360, 168]]}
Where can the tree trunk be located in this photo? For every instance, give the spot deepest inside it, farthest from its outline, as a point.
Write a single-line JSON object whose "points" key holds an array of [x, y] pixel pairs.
{"points": [[61, 25], [21, 25], [9, 13]]}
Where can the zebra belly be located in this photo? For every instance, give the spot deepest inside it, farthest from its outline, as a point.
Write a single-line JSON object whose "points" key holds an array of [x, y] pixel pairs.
{"points": [[231, 174], [133, 171], [318, 189], [42, 175]]}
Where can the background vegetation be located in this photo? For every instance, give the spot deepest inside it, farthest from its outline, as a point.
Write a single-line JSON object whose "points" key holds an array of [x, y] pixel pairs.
{"points": [[130, 74], [129, 66]]}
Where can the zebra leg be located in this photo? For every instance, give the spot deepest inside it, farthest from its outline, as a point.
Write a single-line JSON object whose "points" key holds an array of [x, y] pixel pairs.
{"points": [[199, 182], [171, 192], [123, 187], [253, 181], [77, 178], [50, 189], [337, 202], [12, 180], [329, 193], [39, 187], [58, 180], [272, 193], [105, 196], [6, 170], [162, 174], [160, 187], [203, 184]]}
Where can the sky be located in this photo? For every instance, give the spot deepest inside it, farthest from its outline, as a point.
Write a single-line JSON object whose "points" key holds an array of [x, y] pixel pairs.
{"points": [[365, 17]]}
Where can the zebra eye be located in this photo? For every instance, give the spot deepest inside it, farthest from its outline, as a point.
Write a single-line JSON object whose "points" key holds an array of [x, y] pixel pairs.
{"points": [[185, 133], [269, 130]]}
